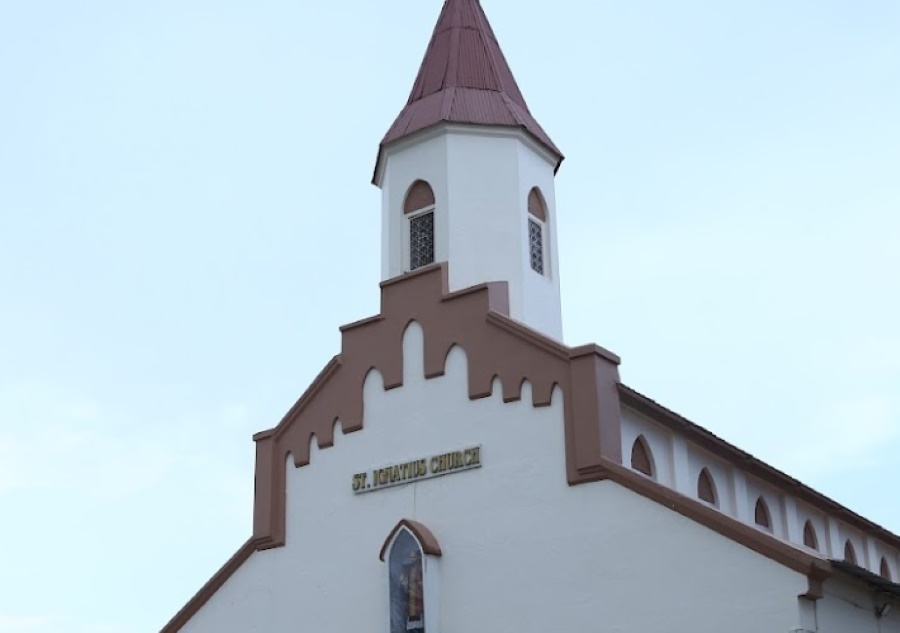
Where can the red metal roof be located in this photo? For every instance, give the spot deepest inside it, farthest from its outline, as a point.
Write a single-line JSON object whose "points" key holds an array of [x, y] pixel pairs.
{"points": [[464, 78]]}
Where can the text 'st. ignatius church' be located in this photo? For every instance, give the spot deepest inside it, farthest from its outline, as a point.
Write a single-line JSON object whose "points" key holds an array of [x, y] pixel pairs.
{"points": [[456, 468]]}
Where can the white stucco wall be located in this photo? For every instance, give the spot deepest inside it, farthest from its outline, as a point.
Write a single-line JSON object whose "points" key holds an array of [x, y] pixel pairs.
{"points": [[481, 178], [849, 607], [523, 551]]}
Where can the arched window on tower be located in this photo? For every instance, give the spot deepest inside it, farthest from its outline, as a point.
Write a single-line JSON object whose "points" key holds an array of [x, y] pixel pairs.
{"points": [[761, 514], [410, 552], [418, 210], [849, 552], [641, 459], [706, 488], [809, 536], [537, 228]]}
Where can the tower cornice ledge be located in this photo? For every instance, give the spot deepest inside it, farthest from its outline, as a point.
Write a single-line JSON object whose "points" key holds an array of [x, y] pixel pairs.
{"points": [[446, 127]]}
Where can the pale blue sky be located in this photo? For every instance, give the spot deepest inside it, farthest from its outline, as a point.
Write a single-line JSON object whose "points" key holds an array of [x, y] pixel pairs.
{"points": [[186, 219]]}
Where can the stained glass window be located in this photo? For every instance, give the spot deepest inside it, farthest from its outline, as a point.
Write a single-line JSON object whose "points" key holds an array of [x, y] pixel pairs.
{"points": [[536, 242], [421, 240], [407, 589]]}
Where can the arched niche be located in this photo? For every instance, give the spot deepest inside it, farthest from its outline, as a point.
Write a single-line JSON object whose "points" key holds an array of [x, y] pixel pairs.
{"points": [[641, 457], [419, 197], [810, 539], [706, 488], [761, 515], [536, 205], [850, 552]]}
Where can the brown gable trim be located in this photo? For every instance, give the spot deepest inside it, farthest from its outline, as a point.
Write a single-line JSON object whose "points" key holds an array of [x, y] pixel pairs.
{"points": [[751, 465], [748, 536], [475, 319], [423, 535], [210, 588]]}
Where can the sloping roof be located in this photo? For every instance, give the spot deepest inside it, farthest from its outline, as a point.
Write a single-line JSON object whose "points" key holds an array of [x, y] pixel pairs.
{"points": [[874, 581], [752, 465], [464, 78]]}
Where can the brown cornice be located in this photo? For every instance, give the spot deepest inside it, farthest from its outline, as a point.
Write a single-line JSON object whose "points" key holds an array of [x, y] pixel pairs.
{"points": [[751, 465]]}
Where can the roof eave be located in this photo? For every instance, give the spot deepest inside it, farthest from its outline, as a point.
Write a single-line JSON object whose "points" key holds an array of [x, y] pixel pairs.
{"points": [[378, 173]]}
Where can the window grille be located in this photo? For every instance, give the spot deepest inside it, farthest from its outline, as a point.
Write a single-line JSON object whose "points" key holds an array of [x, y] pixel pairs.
{"points": [[421, 240], [536, 241]]}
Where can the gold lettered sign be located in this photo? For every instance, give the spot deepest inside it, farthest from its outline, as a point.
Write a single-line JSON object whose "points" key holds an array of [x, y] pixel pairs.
{"points": [[417, 470]]}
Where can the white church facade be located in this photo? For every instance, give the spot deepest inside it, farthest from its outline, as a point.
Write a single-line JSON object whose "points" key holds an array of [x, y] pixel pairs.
{"points": [[456, 468]]}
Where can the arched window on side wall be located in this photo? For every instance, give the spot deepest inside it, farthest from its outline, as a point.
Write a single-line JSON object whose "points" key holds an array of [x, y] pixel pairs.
{"points": [[641, 459], [418, 210], [761, 514], [809, 536], [849, 552], [885, 569], [706, 488], [537, 228]]}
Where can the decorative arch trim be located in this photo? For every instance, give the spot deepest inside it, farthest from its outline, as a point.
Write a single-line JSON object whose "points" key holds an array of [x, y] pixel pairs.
{"points": [[536, 205], [422, 534], [420, 196]]}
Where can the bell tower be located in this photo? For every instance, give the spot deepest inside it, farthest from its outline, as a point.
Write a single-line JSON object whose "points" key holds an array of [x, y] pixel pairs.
{"points": [[467, 174]]}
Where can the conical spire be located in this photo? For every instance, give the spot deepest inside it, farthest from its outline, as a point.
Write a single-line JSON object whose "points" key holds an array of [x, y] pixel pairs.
{"points": [[464, 78]]}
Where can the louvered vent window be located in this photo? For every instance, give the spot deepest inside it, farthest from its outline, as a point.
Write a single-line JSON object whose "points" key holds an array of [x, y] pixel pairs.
{"points": [[421, 240], [536, 240]]}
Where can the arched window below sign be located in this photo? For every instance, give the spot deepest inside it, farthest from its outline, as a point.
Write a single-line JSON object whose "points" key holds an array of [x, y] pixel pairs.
{"points": [[410, 552], [407, 585]]}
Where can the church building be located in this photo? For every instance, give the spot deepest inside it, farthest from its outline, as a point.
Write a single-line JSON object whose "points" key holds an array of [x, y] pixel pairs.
{"points": [[457, 468]]}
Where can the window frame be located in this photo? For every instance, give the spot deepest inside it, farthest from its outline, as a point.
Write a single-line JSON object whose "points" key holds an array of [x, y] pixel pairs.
{"points": [[542, 228], [407, 237], [541, 219]]}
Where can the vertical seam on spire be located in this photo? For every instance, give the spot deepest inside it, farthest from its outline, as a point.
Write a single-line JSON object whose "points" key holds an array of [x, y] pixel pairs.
{"points": [[481, 19], [451, 73], [447, 103]]}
